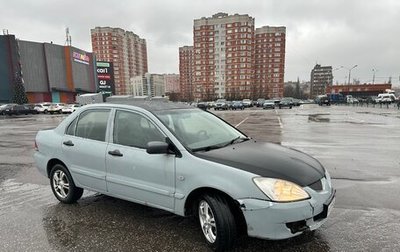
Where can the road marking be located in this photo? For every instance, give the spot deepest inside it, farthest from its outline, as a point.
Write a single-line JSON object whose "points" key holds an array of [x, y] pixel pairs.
{"points": [[279, 119], [241, 122], [280, 122]]}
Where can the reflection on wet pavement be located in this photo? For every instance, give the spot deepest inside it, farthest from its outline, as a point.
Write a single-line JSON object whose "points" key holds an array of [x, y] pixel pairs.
{"points": [[103, 223]]}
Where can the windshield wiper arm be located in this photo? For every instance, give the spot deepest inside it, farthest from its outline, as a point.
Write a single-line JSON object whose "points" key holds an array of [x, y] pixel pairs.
{"points": [[242, 139], [238, 139]]}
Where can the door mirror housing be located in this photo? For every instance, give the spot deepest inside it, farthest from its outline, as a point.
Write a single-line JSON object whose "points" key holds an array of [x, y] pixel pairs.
{"points": [[157, 147]]}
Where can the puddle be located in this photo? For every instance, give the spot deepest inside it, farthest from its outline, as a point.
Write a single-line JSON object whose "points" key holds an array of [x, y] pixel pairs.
{"points": [[318, 118]]}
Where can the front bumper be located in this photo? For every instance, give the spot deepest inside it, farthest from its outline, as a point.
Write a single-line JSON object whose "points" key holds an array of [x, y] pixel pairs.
{"points": [[276, 221]]}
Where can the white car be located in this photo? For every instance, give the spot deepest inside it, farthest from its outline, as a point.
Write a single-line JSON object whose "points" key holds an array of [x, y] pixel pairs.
{"points": [[189, 162], [56, 108], [70, 108], [385, 98], [247, 103], [42, 107]]}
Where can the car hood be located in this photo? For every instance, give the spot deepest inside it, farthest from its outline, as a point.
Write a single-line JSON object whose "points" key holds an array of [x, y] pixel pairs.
{"points": [[268, 160]]}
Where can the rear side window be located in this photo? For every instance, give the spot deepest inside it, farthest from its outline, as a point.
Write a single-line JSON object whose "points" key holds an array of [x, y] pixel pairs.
{"points": [[92, 124]]}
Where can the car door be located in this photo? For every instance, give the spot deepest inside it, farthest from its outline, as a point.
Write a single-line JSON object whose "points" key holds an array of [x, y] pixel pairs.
{"points": [[134, 174], [84, 148]]}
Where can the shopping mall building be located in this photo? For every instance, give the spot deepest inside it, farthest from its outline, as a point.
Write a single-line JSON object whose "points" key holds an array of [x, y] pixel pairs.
{"points": [[50, 72]]}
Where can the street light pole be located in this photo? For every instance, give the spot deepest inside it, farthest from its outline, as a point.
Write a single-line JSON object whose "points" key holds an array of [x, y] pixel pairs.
{"points": [[373, 76], [350, 73]]}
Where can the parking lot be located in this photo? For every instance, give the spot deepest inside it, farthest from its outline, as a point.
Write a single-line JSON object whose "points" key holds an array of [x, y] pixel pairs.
{"points": [[359, 146]]}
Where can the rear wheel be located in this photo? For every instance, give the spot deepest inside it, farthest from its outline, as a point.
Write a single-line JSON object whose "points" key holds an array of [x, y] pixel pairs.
{"points": [[63, 186], [217, 222]]}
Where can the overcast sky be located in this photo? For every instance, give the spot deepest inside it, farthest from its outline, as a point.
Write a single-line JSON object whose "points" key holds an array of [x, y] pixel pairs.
{"points": [[327, 32]]}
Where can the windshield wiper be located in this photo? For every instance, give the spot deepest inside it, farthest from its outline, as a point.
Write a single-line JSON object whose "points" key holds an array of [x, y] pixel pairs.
{"points": [[238, 139], [208, 148]]}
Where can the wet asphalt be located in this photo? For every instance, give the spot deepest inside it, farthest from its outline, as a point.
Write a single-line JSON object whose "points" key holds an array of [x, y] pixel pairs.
{"points": [[359, 146]]}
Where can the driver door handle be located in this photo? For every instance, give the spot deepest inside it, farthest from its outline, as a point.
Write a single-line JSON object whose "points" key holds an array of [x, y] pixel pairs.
{"points": [[116, 153], [68, 143]]}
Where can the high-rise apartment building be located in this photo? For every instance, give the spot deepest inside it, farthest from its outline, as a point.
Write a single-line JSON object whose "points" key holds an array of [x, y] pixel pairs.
{"points": [[148, 85], [321, 78], [223, 56], [269, 68], [233, 60], [172, 83], [126, 50], [186, 72]]}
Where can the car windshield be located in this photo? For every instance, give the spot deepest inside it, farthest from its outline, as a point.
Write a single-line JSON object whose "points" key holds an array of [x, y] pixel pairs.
{"points": [[198, 130]]}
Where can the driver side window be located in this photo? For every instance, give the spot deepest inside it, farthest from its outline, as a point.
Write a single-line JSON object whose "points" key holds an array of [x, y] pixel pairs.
{"points": [[131, 129]]}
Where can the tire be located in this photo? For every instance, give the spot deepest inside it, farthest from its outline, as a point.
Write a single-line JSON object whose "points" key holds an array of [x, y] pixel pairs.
{"points": [[216, 222], [59, 178]]}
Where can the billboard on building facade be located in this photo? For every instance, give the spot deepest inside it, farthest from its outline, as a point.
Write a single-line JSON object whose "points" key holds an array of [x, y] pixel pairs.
{"points": [[105, 76]]}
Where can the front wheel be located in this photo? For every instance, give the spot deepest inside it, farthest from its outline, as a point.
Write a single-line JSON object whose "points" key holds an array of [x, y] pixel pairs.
{"points": [[63, 186], [217, 222]]}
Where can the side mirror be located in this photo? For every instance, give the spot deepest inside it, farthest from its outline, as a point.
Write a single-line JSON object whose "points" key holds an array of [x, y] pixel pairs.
{"points": [[157, 147]]}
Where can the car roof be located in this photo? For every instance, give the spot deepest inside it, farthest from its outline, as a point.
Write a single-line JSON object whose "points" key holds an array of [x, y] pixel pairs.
{"points": [[147, 105]]}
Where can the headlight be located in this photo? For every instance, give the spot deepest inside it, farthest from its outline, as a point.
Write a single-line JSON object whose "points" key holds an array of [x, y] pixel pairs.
{"points": [[280, 190]]}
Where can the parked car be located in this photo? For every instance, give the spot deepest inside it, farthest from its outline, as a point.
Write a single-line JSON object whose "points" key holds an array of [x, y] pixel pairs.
{"points": [[237, 105], [56, 108], [42, 107], [296, 102], [352, 100], [210, 104], [5, 107], [31, 108], [285, 103], [16, 109], [385, 98], [70, 108], [221, 104], [202, 105], [189, 162], [269, 104], [260, 102], [247, 103], [323, 100]]}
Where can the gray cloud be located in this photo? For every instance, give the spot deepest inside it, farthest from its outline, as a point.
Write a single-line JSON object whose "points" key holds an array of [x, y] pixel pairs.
{"points": [[331, 32]]}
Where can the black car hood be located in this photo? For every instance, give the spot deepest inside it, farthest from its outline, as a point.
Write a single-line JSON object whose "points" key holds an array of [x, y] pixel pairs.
{"points": [[268, 160]]}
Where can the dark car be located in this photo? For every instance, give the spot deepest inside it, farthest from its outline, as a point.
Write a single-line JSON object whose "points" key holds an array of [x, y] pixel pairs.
{"points": [[288, 103], [237, 105], [19, 110], [202, 105], [323, 100], [31, 108]]}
